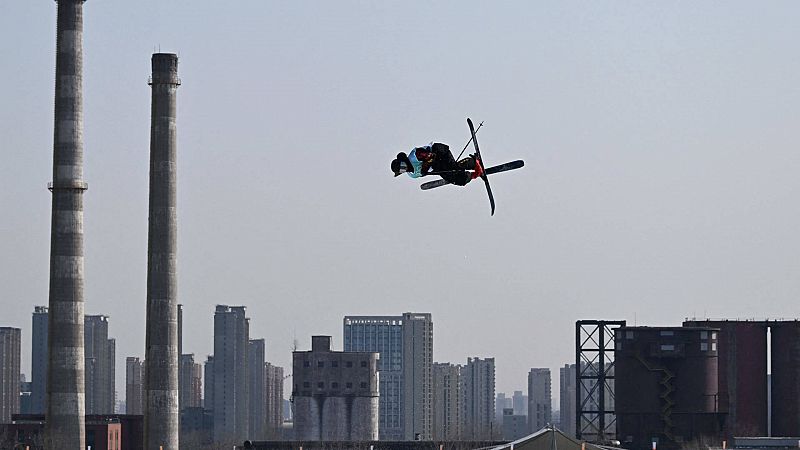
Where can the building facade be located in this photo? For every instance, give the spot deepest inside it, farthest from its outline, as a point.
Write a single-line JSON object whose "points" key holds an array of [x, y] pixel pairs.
{"points": [[520, 403], [479, 384], [256, 355], [190, 386], [99, 354], [567, 399], [134, 377], [501, 402], [38, 359], [273, 391], [335, 393], [515, 426], [540, 400], [405, 344], [231, 400], [448, 402], [10, 347]]}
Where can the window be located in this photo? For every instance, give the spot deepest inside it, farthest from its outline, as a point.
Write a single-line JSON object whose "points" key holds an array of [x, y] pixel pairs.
{"points": [[704, 346], [306, 384], [349, 364], [321, 385], [349, 385], [335, 385], [320, 364], [306, 363], [667, 348], [713, 346], [334, 363], [363, 385], [363, 364], [667, 333]]}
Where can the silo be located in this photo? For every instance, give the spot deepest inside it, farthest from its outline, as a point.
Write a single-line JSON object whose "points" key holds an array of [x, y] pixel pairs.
{"points": [[785, 378], [666, 386], [742, 375]]}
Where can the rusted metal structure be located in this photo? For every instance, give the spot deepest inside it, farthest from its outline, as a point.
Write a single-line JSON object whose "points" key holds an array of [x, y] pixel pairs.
{"points": [[742, 374], [595, 420], [667, 387], [785, 394]]}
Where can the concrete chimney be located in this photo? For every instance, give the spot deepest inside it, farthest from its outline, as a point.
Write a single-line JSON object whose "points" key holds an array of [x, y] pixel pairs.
{"points": [[161, 413], [65, 399]]}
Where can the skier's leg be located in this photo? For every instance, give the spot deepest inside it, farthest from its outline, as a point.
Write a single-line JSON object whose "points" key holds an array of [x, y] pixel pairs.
{"points": [[467, 163], [444, 159]]}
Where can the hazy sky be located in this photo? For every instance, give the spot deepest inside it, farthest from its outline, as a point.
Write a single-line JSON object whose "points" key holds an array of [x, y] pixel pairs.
{"points": [[660, 141]]}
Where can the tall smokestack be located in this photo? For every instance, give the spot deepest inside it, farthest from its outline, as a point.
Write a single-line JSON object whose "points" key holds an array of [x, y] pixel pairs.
{"points": [[65, 399], [161, 351]]}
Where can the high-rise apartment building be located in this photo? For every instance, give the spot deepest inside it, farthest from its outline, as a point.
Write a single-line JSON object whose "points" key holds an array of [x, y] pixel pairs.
{"points": [[38, 359], [567, 399], [405, 345], [231, 401], [479, 414], [208, 384], [256, 371], [10, 347], [501, 402], [540, 400], [134, 377], [190, 384], [273, 392], [448, 402], [335, 393], [519, 403], [99, 353]]}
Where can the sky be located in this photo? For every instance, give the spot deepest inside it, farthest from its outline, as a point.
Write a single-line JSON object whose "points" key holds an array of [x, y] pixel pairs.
{"points": [[660, 180]]}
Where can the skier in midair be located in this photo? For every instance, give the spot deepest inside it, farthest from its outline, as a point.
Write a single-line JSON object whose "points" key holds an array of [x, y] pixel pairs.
{"points": [[437, 158]]}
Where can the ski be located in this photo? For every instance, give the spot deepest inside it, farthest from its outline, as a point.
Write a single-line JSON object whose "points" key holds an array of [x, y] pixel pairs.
{"points": [[489, 171], [479, 160]]}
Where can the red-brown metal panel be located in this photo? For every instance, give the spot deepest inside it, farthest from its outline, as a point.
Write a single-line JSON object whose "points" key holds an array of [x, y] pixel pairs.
{"points": [[667, 386], [785, 378], [742, 375]]}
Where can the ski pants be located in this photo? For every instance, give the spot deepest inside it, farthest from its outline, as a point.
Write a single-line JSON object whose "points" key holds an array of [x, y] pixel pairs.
{"points": [[455, 171]]}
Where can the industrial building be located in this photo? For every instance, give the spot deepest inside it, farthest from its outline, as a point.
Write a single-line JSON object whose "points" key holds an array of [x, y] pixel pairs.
{"points": [[335, 394], [667, 388], [742, 350], [405, 344], [103, 432], [753, 408]]}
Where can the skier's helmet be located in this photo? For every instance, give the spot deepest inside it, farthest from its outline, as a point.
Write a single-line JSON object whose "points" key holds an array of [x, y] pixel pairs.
{"points": [[399, 167], [401, 164]]}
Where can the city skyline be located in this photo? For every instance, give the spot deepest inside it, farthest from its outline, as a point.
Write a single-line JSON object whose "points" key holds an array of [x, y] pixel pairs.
{"points": [[659, 168]]}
